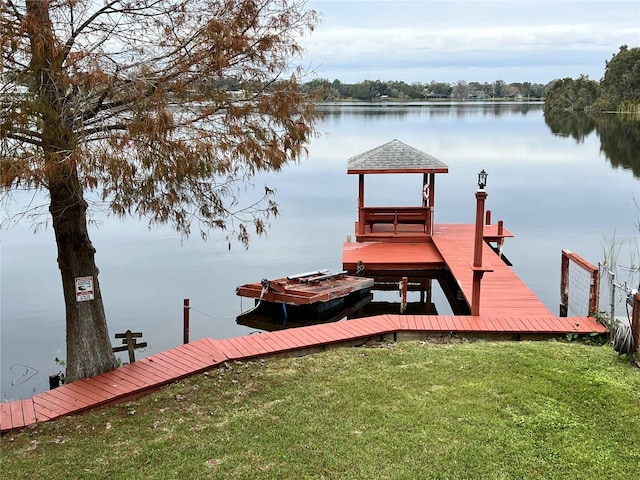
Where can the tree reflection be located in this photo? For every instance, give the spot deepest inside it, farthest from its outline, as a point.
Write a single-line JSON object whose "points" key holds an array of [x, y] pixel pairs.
{"points": [[619, 135]]}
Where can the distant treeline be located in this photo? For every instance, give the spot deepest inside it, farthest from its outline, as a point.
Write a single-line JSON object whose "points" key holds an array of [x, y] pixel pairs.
{"points": [[619, 90], [369, 90]]}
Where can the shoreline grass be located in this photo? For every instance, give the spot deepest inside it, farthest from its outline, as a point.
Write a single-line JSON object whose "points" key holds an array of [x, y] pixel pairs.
{"points": [[407, 410]]}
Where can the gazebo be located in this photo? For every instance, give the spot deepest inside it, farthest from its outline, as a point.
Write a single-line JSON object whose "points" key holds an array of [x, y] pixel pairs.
{"points": [[394, 222]]}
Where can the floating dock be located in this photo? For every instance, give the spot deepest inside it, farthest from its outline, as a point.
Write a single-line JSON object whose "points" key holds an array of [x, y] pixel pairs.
{"points": [[317, 287]]}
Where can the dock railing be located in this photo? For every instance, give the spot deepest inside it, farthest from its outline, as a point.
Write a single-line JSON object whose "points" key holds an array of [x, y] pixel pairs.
{"points": [[578, 286]]}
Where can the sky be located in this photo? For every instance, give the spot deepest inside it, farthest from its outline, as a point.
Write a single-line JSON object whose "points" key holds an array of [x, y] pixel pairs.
{"points": [[447, 41]]}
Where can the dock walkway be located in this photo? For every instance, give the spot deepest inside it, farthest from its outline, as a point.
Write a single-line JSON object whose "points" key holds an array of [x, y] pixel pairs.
{"points": [[451, 247], [503, 292], [205, 354]]}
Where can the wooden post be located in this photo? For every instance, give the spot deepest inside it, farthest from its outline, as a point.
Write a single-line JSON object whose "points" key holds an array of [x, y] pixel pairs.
{"points": [[361, 220], [481, 196], [478, 271], [185, 321], [593, 292], [564, 284], [129, 340], [432, 202], [635, 323], [404, 286], [425, 190], [428, 300]]}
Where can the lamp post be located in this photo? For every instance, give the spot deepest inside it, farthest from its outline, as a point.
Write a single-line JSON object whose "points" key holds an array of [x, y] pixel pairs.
{"points": [[477, 267]]}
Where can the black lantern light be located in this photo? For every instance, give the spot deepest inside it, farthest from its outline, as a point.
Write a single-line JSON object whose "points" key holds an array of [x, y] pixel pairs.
{"points": [[482, 179]]}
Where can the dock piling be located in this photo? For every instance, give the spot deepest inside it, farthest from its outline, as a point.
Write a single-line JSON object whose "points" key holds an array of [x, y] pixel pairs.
{"points": [[185, 321]]}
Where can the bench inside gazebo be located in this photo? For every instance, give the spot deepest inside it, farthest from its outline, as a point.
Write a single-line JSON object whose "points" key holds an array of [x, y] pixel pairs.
{"points": [[401, 223]]}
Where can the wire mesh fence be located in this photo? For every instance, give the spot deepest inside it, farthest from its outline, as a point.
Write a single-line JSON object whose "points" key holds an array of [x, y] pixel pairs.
{"points": [[613, 297], [579, 291], [619, 309], [579, 286], [589, 290]]}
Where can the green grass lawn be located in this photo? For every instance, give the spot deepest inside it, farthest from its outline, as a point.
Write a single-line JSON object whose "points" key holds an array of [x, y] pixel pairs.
{"points": [[411, 410]]}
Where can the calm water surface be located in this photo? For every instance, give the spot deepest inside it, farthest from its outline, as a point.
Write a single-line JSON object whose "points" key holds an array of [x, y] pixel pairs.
{"points": [[552, 192]]}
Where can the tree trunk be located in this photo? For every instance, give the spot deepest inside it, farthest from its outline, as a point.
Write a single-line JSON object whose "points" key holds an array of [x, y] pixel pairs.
{"points": [[89, 350]]}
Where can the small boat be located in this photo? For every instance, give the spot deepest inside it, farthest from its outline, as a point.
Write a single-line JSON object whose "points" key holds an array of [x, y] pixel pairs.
{"points": [[270, 317], [307, 294]]}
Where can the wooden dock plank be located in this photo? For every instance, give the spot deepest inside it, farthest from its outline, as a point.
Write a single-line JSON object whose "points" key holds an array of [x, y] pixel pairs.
{"points": [[103, 387], [545, 323], [17, 419], [443, 324], [6, 421], [312, 337], [460, 324], [79, 389], [382, 324], [165, 368], [285, 340], [298, 338], [173, 361], [66, 400], [319, 334], [505, 326], [229, 349], [536, 325], [333, 333], [52, 405], [141, 375], [356, 329], [273, 343], [269, 343], [402, 321], [208, 351], [186, 359], [193, 356], [392, 256], [137, 378], [416, 322], [43, 409], [145, 372], [28, 412], [240, 344]]}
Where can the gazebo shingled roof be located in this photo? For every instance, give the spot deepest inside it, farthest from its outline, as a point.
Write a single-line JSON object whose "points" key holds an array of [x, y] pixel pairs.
{"points": [[395, 157]]}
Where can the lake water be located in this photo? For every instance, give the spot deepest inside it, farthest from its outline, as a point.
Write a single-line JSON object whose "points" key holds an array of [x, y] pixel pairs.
{"points": [[552, 192]]}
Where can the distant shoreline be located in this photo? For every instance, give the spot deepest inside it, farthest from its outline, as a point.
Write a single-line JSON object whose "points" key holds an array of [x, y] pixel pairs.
{"points": [[411, 103]]}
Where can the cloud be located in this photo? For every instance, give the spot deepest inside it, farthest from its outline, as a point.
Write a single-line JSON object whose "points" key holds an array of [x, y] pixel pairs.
{"points": [[423, 38]]}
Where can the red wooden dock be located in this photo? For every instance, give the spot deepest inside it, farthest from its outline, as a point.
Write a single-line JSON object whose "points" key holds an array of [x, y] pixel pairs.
{"points": [[163, 368], [390, 241], [450, 247], [503, 293]]}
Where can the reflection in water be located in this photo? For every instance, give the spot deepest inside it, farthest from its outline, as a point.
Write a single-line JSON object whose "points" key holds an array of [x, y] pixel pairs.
{"points": [[431, 109], [619, 135]]}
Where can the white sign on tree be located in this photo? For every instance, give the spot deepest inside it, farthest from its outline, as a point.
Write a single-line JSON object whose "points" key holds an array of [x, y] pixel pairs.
{"points": [[84, 289]]}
